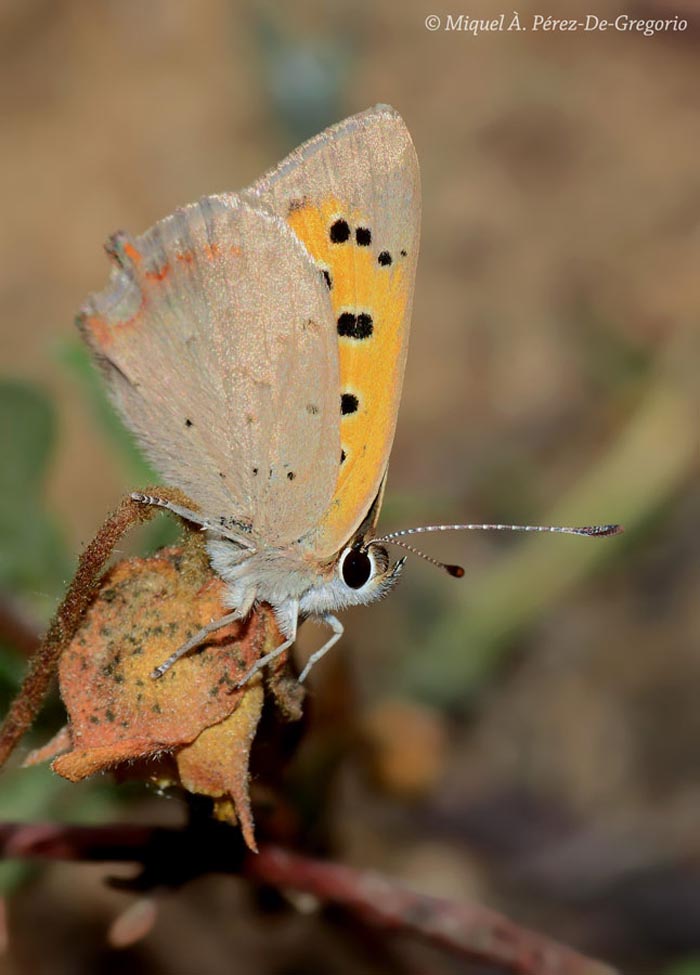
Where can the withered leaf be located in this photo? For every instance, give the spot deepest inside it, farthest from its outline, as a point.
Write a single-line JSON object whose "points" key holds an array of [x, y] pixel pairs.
{"points": [[146, 609]]}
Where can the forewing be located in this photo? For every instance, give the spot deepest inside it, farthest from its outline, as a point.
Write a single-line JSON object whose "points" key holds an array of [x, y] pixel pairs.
{"points": [[352, 195], [218, 343]]}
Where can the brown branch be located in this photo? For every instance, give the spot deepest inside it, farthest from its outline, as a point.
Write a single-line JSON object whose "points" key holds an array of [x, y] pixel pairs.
{"points": [[467, 930], [68, 617]]}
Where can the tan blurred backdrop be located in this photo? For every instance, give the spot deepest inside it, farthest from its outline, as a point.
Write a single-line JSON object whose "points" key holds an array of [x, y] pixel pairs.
{"points": [[553, 361]]}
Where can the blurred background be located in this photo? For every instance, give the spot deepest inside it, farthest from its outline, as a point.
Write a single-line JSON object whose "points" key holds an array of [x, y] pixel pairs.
{"points": [[527, 736]]}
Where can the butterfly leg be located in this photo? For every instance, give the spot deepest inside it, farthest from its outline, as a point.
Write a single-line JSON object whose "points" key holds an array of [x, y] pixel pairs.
{"points": [[338, 631], [199, 637], [190, 515], [292, 622]]}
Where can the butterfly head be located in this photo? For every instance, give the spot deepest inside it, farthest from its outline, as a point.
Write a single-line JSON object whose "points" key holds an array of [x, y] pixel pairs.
{"points": [[366, 571]]}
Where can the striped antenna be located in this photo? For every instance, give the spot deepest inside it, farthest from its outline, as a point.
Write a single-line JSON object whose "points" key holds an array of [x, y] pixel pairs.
{"points": [[395, 538]]}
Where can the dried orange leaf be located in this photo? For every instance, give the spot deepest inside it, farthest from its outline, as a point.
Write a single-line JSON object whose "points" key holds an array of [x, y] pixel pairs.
{"points": [[216, 763], [145, 610], [62, 741], [192, 728]]}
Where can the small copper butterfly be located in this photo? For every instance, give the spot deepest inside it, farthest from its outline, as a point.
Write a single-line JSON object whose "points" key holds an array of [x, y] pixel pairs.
{"points": [[255, 344]]}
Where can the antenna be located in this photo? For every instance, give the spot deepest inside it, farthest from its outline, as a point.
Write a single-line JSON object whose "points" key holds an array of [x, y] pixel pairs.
{"points": [[454, 570], [591, 531], [596, 531]]}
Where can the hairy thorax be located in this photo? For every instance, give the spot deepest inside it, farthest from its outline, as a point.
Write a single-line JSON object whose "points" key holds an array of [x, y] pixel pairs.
{"points": [[272, 575], [285, 578]]}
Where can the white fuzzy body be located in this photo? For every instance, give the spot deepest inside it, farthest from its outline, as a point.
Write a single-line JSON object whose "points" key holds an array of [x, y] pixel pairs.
{"points": [[294, 586]]}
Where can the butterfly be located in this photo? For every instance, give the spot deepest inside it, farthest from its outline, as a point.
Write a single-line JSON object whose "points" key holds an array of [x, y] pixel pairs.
{"points": [[255, 344]]}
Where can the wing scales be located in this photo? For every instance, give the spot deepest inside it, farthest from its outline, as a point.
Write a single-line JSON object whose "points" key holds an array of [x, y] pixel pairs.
{"points": [[216, 338], [352, 196]]}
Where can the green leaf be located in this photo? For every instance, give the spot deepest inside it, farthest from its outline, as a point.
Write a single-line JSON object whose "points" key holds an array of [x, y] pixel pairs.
{"points": [[33, 560], [689, 966], [27, 434]]}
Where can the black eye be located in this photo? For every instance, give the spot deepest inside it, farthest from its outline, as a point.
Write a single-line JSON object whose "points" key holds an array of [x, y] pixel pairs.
{"points": [[356, 568]]}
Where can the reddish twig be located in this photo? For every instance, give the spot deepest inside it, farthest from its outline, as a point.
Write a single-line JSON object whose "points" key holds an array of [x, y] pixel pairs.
{"points": [[467, 930]]}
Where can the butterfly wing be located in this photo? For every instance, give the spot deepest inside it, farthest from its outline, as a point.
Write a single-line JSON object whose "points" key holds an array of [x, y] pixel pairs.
{"points": [[352, 196], [218, 343]]}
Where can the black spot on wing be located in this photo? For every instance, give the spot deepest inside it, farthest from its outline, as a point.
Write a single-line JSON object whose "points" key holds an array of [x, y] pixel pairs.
{"points": [[363, 236], [328, 279], [348, 403], [384, 259], [188, 422], [339, 232], [355, 326]]}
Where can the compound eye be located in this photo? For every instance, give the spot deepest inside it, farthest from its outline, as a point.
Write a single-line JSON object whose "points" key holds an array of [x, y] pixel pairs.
{"points": [[356, 568]]}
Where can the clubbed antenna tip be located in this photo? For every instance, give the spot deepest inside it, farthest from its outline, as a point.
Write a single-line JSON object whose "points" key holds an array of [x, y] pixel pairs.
{"points": [[454, 570], [602, 531]]}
